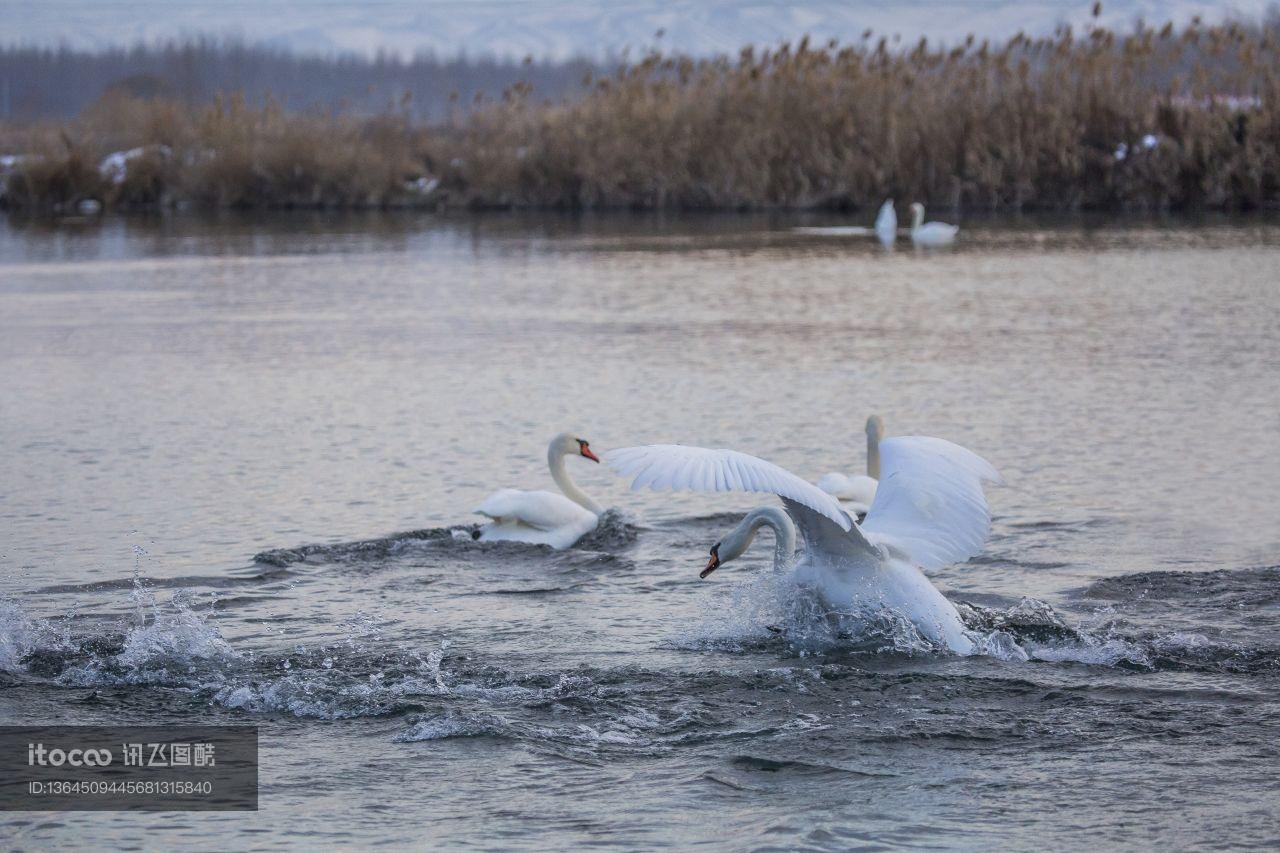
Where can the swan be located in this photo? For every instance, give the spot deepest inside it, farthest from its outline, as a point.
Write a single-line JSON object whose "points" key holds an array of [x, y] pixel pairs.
{"points": [[929, 511], [887, 223], [859, 490], [930, 233], [544, 518]]}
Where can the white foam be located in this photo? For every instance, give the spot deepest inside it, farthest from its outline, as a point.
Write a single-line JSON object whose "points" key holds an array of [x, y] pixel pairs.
{"points": [[16, 633], [452, 725]]}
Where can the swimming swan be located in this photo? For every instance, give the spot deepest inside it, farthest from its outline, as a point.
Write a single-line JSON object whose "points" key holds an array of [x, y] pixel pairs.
{"points": [[930, 233], [859, 490], [544, 518], [929, 512]]}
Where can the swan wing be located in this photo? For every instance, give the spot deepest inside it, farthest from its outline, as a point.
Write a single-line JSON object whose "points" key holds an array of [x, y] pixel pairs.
{"points": [[929, 502], [676, 467], [541, 510], [826, 541]]}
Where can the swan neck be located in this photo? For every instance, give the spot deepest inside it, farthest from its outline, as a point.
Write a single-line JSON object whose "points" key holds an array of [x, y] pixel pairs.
{"points": [[873, 455], [917, 217], [784, 533], [559, 473]]}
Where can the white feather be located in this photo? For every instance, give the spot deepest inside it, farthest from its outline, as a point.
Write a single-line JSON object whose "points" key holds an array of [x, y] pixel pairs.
{"points": [[674, 467], [929, 503], [541, 510]]}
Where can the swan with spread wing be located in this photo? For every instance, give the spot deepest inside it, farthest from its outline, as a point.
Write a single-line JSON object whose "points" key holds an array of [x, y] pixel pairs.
{"points": [[929, 511]]}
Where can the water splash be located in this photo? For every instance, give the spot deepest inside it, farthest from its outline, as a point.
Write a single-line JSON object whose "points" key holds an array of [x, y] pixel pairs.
{"points": [[751, 613], [175, 635], [17, 634], [769, 609], [454, 724]]}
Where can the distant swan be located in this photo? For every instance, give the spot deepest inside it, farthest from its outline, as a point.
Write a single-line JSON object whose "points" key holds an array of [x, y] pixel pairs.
{"points": [[544, 518], [887, 223], [930, 233], [859, 490], [929, 512]]}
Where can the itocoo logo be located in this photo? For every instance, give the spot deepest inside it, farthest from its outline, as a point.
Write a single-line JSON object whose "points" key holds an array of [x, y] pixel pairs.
{"points": [[38, 755]]}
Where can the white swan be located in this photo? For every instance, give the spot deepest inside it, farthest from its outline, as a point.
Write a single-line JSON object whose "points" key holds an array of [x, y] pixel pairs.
{"points": [[859, 490], [930, 233], [887, 223], [929, 512], [544, 518]]}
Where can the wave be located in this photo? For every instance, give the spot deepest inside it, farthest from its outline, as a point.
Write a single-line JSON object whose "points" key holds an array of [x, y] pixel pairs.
{"points": [[180, 582], [1060, 524], [435, 692], [364, 549], [614, 531], [455, 724], [176, 645], [1223, 588], [757, 763], [769, 614]]}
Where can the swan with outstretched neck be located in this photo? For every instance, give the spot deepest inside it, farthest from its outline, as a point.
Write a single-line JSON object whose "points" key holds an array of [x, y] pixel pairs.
{"points": [[887, 224], [859, 490], [541, 517], [930, 233], [929, 512]]}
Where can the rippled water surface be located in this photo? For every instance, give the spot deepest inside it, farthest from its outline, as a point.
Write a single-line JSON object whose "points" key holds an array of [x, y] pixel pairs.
{"points": [[210, 433]]}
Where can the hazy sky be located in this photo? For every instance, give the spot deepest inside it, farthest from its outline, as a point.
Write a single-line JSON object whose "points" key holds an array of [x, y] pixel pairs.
{"points": [[557, 29]]}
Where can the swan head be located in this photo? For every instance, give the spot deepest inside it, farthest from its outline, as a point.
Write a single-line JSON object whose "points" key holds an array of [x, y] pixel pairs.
{"points": [[875, 427], [568, 444], [731, 547], [917, 208], [736, 541]]}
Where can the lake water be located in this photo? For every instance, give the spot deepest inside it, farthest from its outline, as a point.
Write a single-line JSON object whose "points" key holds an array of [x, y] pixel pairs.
{"points": [[180, 395]]}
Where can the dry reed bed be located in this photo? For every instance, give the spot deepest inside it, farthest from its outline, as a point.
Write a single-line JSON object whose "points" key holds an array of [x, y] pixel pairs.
{"points": [[1065, 122]]}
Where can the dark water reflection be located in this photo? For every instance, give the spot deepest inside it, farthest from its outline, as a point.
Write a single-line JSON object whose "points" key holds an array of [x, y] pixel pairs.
{"points": [[34, 239]]}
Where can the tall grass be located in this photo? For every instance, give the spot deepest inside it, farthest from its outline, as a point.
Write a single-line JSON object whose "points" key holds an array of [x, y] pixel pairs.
{"points": [[226, 154], [1070, 121]]}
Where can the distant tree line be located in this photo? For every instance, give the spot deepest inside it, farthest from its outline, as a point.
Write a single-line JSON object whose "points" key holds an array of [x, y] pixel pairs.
{"points": [[58, 83]]}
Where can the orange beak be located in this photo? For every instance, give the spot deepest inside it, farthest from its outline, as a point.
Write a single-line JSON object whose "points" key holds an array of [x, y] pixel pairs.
{"points": [[712, 565], [586, 451]]}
